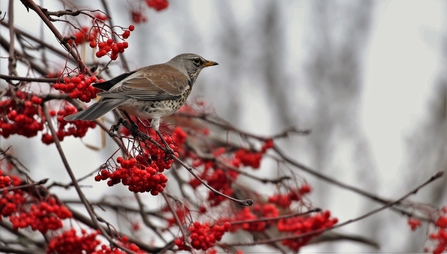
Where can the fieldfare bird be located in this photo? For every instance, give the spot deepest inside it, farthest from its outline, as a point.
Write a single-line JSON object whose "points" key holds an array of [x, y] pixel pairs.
{"points": [[150, 92]]}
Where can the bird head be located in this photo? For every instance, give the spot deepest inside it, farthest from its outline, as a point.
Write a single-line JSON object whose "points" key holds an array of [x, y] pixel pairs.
{"points": [[190, 64]]}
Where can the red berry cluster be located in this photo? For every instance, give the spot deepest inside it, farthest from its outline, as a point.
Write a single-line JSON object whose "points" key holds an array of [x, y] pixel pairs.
{"points": [[76, 129], [440, 235], [203, 236], [43, 216], [157, 4], [246, 214], [256, 212], [138, 16], [266, 210], [179, 138], [10, 201], [105, 249], [138, 12], [70, 242], [79, 87], [5, 181], [304, 224], [148, 154], [414, 223], [218, 179], [111, 47], [139, 178], [86, 34], [24, 211], [285, 200], [83, 35], [253, 159], [99, 35], [21, 115], [222, 180]]}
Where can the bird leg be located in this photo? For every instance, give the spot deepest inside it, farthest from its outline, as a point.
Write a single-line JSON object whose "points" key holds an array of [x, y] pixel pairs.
{"points": [[133, 125]]}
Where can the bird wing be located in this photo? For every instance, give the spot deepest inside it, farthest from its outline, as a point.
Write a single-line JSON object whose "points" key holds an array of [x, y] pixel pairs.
{"points": [[107, 85], [156, 82]]}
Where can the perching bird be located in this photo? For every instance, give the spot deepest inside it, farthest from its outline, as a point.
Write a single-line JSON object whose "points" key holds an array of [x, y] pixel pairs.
{"points": [[150, 92]]}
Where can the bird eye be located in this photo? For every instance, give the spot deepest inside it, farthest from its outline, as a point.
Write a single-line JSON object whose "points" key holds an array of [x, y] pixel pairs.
{"points": [[197, 61]]}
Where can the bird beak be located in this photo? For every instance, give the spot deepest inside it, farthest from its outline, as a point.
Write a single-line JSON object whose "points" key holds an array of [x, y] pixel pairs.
{"points": [[209, 63]]}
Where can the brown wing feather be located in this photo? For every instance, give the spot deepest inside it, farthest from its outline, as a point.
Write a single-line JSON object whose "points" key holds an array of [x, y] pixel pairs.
{"points": [[156, 82]]}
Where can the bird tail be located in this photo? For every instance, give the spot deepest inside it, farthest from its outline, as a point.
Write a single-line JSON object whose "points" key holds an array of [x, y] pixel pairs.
{"points": [[95, 111]]}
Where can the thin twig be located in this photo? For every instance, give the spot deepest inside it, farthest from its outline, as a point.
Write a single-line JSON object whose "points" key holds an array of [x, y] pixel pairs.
{"points": [[30, 79], [19, 32], [24, 186], [31, 4]]}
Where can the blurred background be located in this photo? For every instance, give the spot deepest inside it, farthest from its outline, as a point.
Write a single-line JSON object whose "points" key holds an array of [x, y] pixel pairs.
{"points": [[367, 77]]}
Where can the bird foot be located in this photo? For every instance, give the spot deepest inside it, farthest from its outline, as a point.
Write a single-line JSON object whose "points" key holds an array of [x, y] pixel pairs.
{"points": [[115, 127]]}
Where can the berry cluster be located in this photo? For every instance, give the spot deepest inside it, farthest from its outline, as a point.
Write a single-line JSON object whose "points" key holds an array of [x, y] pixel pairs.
{"points": [[5, 181], [302, 225], [285, 200], [10, 201], [70, 242], [266, 211], [203, 236], [139, 178], [138, 13], [218, 179], [84, 35], [43, 216], [440, 235], [244, 215], [111, 47], [148, 154], [258, 211], [414, 223], [76, 128], [23, 211], [105, 249], [21, 115], [138, 16], [79, 87], [157, 4], [99, 35], [253, 159]]}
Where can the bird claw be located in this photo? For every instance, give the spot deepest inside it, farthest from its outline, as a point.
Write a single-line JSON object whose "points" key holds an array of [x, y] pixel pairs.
{"points": [[115, 127]]}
